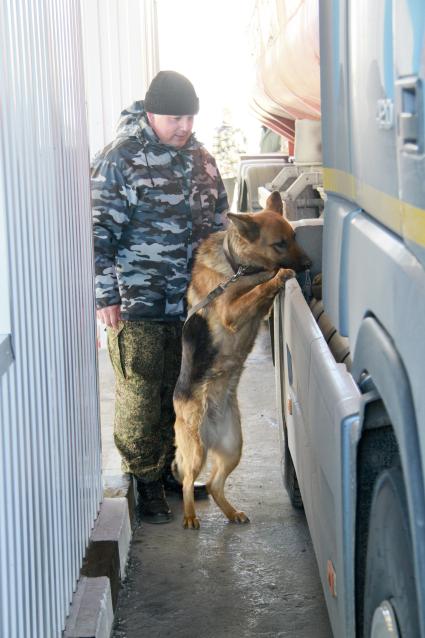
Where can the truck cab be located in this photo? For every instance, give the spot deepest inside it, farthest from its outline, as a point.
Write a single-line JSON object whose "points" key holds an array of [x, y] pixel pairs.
{"points": [[349, 340]]}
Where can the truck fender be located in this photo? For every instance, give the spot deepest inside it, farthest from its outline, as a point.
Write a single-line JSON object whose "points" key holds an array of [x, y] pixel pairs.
{"points": [[375, 353]]}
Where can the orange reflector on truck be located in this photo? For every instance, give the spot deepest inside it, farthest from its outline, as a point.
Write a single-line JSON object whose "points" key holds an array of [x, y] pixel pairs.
{"points": [[331, 578]]}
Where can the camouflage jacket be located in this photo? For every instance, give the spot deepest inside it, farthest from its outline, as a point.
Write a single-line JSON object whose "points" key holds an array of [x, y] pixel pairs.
{"points": [[152, 205]]}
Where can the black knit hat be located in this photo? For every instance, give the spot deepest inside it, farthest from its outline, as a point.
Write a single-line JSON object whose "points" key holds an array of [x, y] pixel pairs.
{"points": [[170, 93]]}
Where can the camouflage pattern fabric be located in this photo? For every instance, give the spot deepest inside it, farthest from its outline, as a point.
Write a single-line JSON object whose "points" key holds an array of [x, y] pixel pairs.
{"points": [[146, 357], [152, 205]]}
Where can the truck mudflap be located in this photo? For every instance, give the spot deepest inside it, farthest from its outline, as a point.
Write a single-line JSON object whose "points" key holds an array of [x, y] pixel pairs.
{"points": [[319, 406]]}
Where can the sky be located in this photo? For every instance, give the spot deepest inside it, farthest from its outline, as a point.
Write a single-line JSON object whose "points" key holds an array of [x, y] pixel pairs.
{"points": [[209, 43]]}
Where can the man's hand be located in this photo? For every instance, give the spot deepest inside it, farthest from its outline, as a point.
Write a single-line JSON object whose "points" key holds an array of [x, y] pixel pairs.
{"points": [[110, 315]]}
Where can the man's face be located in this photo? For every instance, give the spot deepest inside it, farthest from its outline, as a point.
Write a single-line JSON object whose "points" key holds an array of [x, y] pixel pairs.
{"points": [[174, 130]]}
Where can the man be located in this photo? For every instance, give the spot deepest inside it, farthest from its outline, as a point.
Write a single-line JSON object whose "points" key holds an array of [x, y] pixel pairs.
{"points": [[156, 194]]}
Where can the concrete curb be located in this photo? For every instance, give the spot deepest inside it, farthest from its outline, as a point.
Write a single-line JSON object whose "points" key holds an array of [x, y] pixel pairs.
{"points": [[91, 614], [94, 602]]}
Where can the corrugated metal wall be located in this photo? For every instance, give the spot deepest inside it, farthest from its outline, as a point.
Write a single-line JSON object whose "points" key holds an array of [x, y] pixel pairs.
{"points": [[121, 58], [50, 474]]}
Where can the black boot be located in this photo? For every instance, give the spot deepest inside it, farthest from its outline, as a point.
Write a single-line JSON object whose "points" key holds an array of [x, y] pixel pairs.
{"points": [[172, 485], [153, 507]]}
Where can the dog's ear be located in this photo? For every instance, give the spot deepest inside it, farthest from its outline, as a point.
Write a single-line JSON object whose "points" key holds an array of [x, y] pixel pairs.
{"points": [[274, 202], [246, 225]]}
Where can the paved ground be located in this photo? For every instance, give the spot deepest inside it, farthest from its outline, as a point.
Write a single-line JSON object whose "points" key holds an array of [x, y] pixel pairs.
{"points": [[258, 580]]}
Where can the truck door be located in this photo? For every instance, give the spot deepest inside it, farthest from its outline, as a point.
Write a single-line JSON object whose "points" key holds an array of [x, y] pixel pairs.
{"points": [[409, 71], [374, 151]]}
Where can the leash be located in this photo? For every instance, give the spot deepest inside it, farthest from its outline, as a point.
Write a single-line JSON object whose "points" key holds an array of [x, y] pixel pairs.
{"points": [[239, 271], [242, 270]]}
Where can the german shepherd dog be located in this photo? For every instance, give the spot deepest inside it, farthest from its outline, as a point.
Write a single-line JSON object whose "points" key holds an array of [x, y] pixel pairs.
{"points": [[217, 339]]}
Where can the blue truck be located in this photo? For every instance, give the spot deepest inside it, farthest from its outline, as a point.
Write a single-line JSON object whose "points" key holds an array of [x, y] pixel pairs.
{"points": [[349, 342]]}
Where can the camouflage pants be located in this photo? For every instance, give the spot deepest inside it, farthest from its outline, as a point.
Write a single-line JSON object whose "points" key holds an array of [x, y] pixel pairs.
{"points": [[146, 358]]}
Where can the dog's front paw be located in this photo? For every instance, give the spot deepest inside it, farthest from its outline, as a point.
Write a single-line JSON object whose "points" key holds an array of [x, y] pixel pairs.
{"points": [[191, 522], [283, 274], [260, 277], [239, 517]]}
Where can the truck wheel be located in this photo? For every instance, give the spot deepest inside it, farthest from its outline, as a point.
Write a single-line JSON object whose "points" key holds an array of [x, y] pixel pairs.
{"points": [[290, 477], [390, 604]]}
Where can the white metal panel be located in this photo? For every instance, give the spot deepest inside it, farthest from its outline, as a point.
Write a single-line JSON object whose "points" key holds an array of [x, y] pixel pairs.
{"points": [[120, 59], [121, 56], [4, 274], [50, 473]]}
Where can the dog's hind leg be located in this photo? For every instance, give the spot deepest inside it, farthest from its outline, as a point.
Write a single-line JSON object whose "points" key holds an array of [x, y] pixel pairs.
{"points": [[223, 466], [226, 454], [190, 457]]}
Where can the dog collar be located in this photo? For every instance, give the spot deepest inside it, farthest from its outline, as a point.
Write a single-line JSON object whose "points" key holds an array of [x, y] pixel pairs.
{"points": [[230, 256]]}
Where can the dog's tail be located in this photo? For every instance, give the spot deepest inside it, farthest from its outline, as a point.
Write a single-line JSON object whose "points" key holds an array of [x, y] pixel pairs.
{"points": [[175, 470], [177, 465]]}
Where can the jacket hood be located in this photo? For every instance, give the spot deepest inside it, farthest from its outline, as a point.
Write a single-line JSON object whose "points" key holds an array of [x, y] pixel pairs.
{"points": [[133, 122]]}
